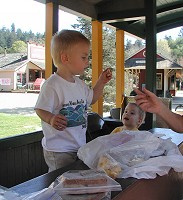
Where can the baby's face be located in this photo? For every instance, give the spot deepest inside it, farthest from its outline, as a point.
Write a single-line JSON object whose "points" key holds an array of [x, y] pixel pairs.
{"points": [[131, 116]]}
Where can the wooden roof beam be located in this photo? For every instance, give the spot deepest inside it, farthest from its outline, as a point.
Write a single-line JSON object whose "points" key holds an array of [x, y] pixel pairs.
{"points": [[118, 15]]}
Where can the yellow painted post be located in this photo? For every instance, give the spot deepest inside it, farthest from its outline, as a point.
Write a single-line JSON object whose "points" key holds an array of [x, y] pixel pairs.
{"points": [[51, 28], [120, 69], [97, 61], [48, 36]]}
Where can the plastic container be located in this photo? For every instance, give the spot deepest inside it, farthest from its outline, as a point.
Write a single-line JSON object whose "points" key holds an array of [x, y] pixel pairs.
{"points": [[85, 182]]}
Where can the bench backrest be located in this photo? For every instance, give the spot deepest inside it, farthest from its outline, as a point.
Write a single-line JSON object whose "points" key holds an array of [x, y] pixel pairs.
{"points": [[21, 158]]}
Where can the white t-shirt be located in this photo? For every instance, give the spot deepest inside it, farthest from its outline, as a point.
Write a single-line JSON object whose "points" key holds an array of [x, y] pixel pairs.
{"points": [[71, 100]]}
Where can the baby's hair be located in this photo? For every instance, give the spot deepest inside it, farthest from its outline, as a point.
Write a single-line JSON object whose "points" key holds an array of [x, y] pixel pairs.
{"points": [[142, 113], [63, 41]]}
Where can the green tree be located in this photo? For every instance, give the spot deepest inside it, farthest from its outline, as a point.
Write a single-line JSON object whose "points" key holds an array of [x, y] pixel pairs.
{"points": [[128, 45], [139, 44], [13, 28], [181, 32], [83, 26], [163, 48], [131, 48], [9, 36], [177, 49], [19, 47], [2, 37], [19, 34]]}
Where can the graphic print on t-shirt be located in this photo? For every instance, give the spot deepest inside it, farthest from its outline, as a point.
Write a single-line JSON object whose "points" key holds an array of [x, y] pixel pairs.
{"points": [[75, 116]]}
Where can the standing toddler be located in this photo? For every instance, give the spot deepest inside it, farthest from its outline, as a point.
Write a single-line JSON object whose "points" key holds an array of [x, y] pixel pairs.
{"points": [[64, 98]]}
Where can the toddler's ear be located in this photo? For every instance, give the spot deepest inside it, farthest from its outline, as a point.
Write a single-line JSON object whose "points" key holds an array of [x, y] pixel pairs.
{"points": [[63, 57]]}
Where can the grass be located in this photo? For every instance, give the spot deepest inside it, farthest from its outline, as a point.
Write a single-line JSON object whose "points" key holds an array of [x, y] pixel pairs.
{"points": [[16, 124]]}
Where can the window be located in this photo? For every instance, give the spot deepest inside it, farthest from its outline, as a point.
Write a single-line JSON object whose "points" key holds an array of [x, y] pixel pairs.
{"points": [[159, 81]]}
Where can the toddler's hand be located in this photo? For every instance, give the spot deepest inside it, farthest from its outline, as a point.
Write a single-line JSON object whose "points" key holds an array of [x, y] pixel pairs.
{"points": [[59, 122], [106, 75]]}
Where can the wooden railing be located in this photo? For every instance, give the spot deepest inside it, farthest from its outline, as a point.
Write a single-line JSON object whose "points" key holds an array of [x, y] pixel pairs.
{"points": [[21, 158]]}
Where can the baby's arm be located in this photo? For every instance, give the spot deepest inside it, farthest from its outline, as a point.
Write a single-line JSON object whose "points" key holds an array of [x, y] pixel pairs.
{"points": [[58, 121]]}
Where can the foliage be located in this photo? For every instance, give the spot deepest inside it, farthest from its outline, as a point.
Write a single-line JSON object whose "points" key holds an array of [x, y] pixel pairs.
{"points": [[176, 46], [9, 37], [19, 47], [163, 48], [13, 124], [131, 49]]}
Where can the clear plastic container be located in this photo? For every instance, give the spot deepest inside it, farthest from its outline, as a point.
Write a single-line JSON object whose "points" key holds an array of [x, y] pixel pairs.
{"points": [[85, 182]]}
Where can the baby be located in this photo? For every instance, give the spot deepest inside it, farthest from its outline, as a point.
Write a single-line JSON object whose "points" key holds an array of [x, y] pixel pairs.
{"points": [[132, 118]]}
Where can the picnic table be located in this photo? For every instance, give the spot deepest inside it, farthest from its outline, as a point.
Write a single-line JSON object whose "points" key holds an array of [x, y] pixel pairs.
{"points": [[167, 187]]}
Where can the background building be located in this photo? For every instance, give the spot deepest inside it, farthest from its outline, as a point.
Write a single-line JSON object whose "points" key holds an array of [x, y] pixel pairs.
{"points": [[20, 70]]}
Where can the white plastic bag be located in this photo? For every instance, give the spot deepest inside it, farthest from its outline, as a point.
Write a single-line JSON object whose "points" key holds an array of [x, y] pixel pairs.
{"points": [[141, 153], [91, 152]]}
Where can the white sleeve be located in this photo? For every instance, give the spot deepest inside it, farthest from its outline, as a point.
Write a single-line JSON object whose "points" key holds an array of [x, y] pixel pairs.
{"points": [[47, 99]]}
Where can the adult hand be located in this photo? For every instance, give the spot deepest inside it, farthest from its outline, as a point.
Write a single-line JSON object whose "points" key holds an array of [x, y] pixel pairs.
{"points": [[148, 101]]}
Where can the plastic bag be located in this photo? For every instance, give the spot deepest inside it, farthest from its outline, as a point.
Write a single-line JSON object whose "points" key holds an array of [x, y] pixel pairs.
{"points": [[111, 167], [6, 194], [143, 155], [45, 194], [91, 152]]}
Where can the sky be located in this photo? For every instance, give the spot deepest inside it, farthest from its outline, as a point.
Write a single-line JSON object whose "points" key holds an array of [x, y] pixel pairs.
{"points": [[30, 15]]}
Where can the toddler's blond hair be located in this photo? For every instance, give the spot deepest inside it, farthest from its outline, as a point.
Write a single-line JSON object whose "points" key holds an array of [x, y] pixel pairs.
{"points": [[63, 41]]}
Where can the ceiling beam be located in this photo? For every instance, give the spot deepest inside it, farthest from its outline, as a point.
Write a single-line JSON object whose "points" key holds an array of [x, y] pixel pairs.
{"points": [[130, 29], [170, 7], [169, 24], [119, 5], [117, 15]]}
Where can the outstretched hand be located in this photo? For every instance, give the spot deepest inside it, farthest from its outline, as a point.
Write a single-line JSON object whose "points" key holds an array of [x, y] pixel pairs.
{"points": [[148, 101]]}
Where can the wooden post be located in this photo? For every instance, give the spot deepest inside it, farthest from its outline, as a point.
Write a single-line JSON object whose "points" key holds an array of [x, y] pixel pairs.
{"points": [[52, 10], [151, 30], [120, 69], [97, 61]]}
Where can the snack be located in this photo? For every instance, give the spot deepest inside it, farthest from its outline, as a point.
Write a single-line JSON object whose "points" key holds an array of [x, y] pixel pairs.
{"points": [[109, 165], [85, 182], [84, 178]]}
